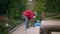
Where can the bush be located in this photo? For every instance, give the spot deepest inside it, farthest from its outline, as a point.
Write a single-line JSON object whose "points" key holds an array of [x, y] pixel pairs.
{"points": [[3, 29]]}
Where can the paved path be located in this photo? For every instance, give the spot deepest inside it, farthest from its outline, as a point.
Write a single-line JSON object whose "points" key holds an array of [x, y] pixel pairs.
{"points": [[22, 30], [33, 30]]}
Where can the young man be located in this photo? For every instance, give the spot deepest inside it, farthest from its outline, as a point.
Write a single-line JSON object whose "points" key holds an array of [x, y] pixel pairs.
{"points": [[28, 14]]}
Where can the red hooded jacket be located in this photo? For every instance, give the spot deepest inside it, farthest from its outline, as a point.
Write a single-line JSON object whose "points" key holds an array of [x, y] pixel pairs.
{"points": [[29, 13]]}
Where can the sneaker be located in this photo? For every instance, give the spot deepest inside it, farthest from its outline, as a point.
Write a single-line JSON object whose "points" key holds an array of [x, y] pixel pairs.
{"points": [[27, 29]]}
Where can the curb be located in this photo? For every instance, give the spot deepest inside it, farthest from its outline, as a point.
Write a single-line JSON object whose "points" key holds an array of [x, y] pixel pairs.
{"points": [[15, 28]]}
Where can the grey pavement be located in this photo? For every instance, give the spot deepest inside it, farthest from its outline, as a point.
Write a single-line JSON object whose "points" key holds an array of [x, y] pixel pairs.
{"points": [[22, 30], [33, 30]]}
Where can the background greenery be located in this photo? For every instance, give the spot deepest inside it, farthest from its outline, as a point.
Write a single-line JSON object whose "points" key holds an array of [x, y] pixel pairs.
{"points": [[39, 7], [53, 6], [48, 7], [12, 9]]}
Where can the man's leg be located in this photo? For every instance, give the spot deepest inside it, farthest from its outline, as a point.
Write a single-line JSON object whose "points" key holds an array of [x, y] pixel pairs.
{"points": [[26, 22]]}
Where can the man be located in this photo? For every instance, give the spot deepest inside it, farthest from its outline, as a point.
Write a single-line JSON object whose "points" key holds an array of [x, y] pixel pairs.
{"points": [[28, 14]]}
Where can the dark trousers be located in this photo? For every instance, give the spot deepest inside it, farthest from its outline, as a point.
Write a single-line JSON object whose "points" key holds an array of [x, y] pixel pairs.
{"points": [[26, 21]]}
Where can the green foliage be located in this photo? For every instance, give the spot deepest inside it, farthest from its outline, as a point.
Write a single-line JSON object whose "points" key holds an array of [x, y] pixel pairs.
{"points": [[47, 6], [49, 15], [22, 5], [4, 5], [13, 23], [16, 9], [3, 30], [39, 7], [53, 6], [13, 10]]}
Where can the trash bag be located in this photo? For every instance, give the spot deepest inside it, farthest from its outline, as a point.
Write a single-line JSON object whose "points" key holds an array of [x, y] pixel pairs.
{"points": [[37, 24]]}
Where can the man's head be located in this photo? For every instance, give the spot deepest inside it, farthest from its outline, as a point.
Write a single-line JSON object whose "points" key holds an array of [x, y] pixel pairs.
{"points": [[35, 14]]}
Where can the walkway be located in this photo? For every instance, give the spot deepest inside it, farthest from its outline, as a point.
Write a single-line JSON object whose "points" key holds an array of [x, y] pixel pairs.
{"points": [[22, 30], [33, 30]]}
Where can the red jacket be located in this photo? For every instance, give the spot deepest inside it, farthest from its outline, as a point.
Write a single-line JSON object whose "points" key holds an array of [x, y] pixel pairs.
{"points": [[28, 13]]}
